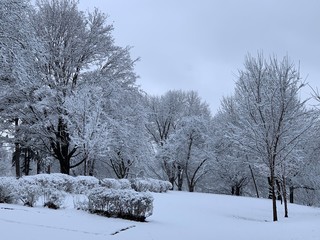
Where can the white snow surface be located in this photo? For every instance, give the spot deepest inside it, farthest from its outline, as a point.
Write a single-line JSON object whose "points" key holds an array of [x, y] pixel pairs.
{"points": [[177, 215]]}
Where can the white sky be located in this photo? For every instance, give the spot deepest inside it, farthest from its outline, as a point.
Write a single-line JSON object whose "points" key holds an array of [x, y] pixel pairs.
{"points": [[200, 45]]}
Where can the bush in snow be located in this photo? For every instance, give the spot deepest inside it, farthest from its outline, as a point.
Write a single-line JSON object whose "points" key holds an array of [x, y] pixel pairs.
{"points": [[83, 184], [127, 204], [125, 184], [149, 184], [8, 189], [54, 198], [115, 183], [58, 181], [61, 182], [81, 202], [51, 186], [28, 191]]}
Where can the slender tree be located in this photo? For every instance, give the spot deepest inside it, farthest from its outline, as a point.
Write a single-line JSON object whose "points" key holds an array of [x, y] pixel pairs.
{"points": [[268, 106]]}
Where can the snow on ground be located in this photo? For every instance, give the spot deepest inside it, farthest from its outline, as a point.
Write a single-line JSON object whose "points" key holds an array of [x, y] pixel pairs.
{"points": [[177, 215]]}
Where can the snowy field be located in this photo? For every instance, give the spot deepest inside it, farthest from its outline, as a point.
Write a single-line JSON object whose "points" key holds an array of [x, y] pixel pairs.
{"points": [[177, 215]]}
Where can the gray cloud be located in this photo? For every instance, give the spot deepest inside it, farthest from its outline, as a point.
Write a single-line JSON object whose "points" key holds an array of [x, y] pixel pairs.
{"points": [[200, 45]]}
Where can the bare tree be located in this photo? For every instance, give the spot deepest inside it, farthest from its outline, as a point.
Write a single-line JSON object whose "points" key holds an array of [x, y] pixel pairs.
{"points": [[164, 113], [271, 117]]}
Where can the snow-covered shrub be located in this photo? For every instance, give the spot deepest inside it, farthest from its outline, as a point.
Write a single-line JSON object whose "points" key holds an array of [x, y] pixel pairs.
{"points": [[149, 184], [110, 183], [124, 184], [127, 204], [28, 191], [115, 183], [8, 189], [54, 198], [165, 186], [58, 181], [140, 185], [51, 186], [81, 202], [83, 184], [61, 182]]}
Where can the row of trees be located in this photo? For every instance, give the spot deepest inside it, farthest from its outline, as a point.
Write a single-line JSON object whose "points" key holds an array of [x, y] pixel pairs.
{"points": [[70, 103], [68, 92], [70, 97]]}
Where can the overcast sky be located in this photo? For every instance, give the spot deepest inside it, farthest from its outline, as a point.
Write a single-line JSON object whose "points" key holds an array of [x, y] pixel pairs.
{"points": [[200, 45]]}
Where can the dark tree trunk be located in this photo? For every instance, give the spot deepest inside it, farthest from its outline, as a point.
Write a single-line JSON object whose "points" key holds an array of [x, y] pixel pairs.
{"points": [[274, 200], [61, 147], [191, 188], [284, 191], [16, 159], [39, 167], [291, 189], [27, 160], [279, 195], [64, 166], [180, 178], [254, 181], [269, 188], [48, 171], [91, 168], [17, 151], [238, 191], [171, 180]]}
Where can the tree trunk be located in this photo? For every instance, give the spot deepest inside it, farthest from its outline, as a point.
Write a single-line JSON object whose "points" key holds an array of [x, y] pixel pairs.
{"points": [[171, 180], [64, 166], [284, 191], [39, 166], [180, 178], [91, 168], [16, 159], [48, 171], [291, 189], [238, 190], [274, 200], [191, 187], [254, 181], [17, 151], [26, 162], [279, 195], [61, 147]]}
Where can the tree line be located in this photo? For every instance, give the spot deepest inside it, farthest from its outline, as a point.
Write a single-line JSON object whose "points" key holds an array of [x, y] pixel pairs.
{"points": [[70, 104]]}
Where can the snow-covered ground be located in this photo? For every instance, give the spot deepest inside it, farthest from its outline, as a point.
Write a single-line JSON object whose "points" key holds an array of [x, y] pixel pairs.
{"points": [[177, 215]]}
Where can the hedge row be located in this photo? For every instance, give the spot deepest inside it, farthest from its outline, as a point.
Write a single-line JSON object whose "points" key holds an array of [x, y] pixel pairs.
{"points": [[127, 204], [151, 185], [110, 197]]}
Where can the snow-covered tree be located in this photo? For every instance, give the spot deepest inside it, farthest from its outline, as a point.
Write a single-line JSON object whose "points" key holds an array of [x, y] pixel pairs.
{"points": [[231, 172], [75, 44], [271, 117], [189, 148], [172, 116], [20, 53], [128, 148], [164, 112]]}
